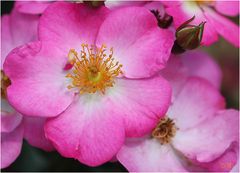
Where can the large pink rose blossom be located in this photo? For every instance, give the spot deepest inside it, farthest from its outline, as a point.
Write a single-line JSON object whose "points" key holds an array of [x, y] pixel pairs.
{"points": [[17, 29], [93, 118], [198, 134], [210, 11]]}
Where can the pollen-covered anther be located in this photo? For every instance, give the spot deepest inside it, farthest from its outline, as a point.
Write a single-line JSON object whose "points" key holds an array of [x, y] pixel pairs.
{"points": [[5, 82], [165, 130], [92, 69]]}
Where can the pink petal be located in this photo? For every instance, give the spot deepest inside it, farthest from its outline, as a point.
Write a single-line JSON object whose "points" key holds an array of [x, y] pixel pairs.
{"points": [[11, 144], [225, 162], [87, 130], [176, 74], [17, 29], [39, 86], [168, 4], [68, 25], [229, 8], [197, 101], [210, 138], [202, 65], [34, 133], [141, 103], [224, 26], [31, 7], [138, 43], [10, 121], [140, 155]]}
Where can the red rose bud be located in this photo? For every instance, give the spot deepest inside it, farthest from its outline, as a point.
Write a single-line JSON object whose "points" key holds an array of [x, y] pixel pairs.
{"points": [[189, 36]]}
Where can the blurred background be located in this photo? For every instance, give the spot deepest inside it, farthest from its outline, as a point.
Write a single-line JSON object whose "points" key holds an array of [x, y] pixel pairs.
{"points": [[33, 159]]}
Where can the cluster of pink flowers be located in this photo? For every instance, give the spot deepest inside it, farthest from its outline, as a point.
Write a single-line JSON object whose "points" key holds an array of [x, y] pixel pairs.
{"points": [[100, 83]]}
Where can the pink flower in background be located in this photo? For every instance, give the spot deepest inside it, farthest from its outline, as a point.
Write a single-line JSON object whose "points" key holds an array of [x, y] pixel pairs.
{"points": [[191, 64], [15, 127], [201, 64], [17, 29], [99, 99], [11, 134], [195, 104], [197, 134], [216, 24]]}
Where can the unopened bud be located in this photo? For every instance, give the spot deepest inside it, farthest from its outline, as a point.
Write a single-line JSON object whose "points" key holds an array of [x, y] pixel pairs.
{"points": [[189, 36]]}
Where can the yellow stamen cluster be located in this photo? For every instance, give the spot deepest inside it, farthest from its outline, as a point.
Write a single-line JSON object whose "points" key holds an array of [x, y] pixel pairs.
{"points": [[92, 69], [5, 82], [165, 130]]}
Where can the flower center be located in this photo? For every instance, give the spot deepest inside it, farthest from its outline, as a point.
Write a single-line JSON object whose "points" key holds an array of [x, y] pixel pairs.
{"points": [[92, 70], [5, 82], [165, 130]]}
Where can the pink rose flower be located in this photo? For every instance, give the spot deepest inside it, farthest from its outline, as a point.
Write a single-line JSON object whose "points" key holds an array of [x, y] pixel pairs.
{"points": [[15, 127], [17, 29], [216, 24], [197, 133], [99, 100]]}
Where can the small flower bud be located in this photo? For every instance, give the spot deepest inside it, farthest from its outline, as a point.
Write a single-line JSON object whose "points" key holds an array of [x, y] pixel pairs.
{"points": [[189, 36]]}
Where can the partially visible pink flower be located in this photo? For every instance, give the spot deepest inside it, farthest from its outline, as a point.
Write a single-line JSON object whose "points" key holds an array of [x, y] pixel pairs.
{"points": [[202, 65], [216, 24], [11, 134], [17, 29], [15, 127], [197, 134], [91, 119], [192, 63], [34, 133]]}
